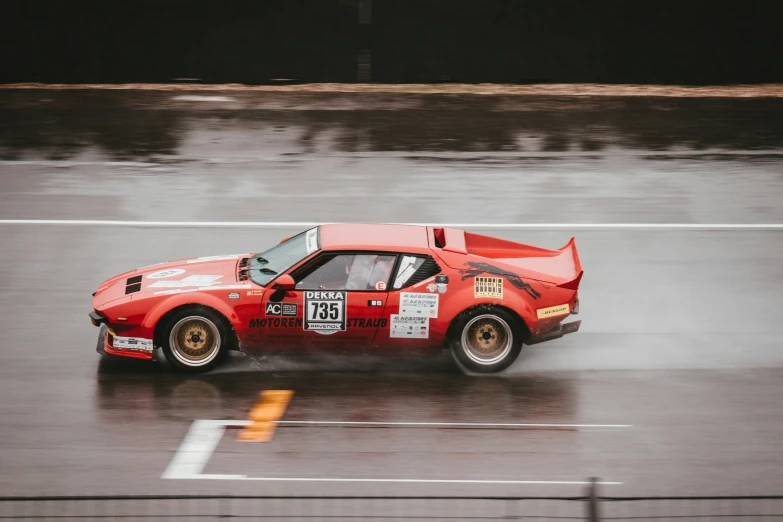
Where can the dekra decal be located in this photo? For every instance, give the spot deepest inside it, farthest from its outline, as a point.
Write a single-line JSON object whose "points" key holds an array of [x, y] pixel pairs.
{"points": [[324, 312]]}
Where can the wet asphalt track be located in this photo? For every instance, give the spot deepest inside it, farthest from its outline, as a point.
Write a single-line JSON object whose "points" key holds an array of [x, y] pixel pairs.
{"points": [[680, 340]]}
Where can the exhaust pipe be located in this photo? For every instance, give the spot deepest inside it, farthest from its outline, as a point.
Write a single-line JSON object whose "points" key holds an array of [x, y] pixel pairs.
{"points": [[555, 333]]}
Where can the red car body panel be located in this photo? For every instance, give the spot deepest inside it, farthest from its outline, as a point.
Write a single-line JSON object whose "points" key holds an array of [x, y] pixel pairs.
{"points": [[534, 279]]}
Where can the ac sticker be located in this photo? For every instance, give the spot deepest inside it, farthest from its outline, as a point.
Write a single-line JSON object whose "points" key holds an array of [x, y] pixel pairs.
{"points": [[281, 309]]}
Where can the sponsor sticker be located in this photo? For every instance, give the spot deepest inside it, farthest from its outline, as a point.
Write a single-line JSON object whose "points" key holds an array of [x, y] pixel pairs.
{"points": [[416, 304], [432, 288], [280, 309], [192, 280], [225, 287], [406, 327], [553, 311], [324, 311], [374, 302], [380, 285], [135, 344], [255, 292], [488, 287], [276, 322], [176, 291], [311, 240], [171, 272], [359, 322], [216, 258], [442, 288], [233, 295], [475, 269], [442, 279]]}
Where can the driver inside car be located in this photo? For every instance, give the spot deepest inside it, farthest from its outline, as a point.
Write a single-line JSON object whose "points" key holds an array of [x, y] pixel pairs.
{"points": [[381, 272], [366, 271]]}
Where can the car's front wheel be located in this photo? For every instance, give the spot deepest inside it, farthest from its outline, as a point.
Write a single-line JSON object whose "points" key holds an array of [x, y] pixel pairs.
{"points": [[486, 339], [196, 339]]}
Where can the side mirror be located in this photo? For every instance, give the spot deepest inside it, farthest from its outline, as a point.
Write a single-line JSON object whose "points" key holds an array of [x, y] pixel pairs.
{"points": [[284, 282]]}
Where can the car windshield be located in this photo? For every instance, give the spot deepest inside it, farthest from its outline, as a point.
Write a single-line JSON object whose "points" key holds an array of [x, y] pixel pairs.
{"points": [[267, 265]]}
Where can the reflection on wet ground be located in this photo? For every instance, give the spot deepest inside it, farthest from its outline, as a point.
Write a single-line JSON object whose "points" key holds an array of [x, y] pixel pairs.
{"points": [[151, 125], [333, 388]]}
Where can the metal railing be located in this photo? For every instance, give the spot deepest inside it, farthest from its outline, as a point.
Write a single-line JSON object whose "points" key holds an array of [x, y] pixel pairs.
{"points": [[590, 507], [170, 508]]}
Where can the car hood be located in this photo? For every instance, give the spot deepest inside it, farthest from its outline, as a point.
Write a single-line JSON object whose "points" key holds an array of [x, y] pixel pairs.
{"points": [[184, 275]]}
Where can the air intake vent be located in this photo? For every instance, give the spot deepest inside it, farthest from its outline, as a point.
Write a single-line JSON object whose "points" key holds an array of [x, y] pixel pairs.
{"points": [[440, 237], [133, 284], [427, 269], [242, 271]]}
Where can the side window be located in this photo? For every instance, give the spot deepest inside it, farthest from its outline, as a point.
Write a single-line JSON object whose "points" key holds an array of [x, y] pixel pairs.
{"points": [[348, 272], [328, 273], [408, 267]]}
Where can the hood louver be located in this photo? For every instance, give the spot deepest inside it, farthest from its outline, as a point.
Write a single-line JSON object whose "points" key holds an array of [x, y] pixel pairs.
{"points": [[242, 269], [133, 284]]}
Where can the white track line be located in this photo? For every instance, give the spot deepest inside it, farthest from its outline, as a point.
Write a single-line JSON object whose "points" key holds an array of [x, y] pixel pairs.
{"points": [[452, 424], [205, 435], [402, 480], [197, 447], [306, 224]]}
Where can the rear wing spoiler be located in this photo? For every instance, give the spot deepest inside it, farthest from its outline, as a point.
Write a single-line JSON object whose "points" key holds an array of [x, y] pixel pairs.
{"points": [[570, 251], [560, 267]]}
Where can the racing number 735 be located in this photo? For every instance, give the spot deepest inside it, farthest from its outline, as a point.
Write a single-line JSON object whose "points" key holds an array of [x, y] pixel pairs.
{"points": [[324, 310]]}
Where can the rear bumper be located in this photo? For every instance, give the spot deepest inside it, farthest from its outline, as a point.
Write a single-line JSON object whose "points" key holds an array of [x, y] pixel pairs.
{"points": [[555, 333]]}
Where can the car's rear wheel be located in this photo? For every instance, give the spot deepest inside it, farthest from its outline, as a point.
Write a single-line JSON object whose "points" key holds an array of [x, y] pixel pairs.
{"points": [[486, 339], [196, 339]]}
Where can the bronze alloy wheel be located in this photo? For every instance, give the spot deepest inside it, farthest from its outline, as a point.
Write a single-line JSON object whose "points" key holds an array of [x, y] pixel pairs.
{"points": [[195, 341], [487, 339]]}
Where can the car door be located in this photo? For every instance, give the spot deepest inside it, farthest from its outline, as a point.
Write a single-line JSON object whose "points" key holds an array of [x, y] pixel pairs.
{"points": [[411, 310], [337, 304]]}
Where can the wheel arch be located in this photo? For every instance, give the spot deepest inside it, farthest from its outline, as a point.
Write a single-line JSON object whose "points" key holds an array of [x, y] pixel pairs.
{"points": [[521, 325], [159, 316]]}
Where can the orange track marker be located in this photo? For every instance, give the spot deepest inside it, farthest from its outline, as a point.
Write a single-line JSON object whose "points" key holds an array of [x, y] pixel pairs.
{"points": [[269, 409]]}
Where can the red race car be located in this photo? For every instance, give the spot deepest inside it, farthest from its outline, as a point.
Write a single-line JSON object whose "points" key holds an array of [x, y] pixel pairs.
{"points": [[355, 288]]}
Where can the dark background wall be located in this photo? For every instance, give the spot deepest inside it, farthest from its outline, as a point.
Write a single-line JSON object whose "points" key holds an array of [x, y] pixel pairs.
{"points": [[515, 41]]}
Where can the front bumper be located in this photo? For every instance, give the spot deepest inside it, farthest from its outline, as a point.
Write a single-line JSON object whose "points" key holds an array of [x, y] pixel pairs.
{"points": [[97, 319], [107, 348]]}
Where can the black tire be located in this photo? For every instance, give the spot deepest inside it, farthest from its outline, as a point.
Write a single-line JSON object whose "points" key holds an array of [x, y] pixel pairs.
{"points": [[101, 340], [195, 339], [486, 339]]}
